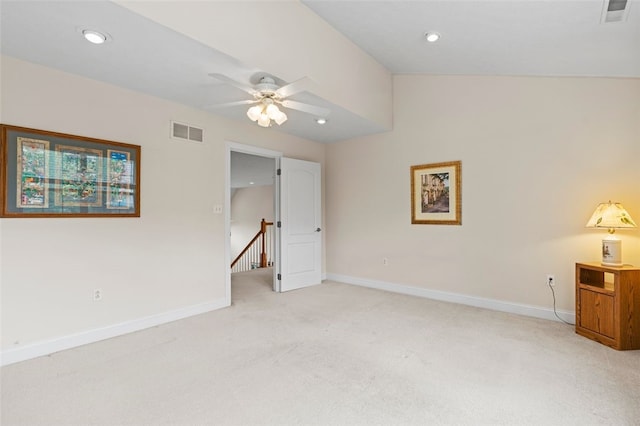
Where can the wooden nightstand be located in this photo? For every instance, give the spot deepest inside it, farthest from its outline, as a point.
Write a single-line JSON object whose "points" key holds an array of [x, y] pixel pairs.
{"points": [[608, 304]]}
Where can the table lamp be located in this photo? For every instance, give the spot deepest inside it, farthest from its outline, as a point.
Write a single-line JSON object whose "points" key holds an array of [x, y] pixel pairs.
{"points": [[611, 216]]}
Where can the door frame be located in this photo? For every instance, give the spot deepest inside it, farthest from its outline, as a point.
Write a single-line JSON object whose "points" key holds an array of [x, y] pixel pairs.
{"points": [[261, 152]]}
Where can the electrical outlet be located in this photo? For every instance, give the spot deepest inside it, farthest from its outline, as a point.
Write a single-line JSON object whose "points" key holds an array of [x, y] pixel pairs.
{"points": [[97, 295], [551, 280], [385, 261]]}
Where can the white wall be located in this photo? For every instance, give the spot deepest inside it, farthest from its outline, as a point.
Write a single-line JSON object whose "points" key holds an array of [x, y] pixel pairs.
{"points": [[248, 207], [538, 155], [170, 260]]}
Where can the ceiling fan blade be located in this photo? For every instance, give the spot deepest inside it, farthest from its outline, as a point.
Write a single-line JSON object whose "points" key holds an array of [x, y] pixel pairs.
{"points": [[241, 86], [309, 109], [230, 104], [304, 84]]}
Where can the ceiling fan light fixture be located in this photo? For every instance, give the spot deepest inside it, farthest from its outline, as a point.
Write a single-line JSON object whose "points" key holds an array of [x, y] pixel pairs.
{"points": [[264, 121], [272, 111], [280, 118], [254, 112], [265, 112], [268, 96]]}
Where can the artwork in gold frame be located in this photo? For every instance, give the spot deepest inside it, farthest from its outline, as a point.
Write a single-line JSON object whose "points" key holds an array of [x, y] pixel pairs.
{"points": [[436, 196]]}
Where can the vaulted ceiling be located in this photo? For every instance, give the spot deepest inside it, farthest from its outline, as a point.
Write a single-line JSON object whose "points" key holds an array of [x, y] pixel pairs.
{"points": [[348, 49]]}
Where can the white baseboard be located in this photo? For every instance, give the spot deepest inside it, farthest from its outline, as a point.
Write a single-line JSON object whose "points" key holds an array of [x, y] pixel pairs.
{"points": [[47, 347], [479, 302]]}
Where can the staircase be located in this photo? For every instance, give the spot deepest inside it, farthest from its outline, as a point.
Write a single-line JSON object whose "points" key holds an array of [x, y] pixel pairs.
{"points": [[258, 252]]}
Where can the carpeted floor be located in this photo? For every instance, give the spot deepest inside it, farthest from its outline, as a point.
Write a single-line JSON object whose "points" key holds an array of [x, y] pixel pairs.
{"points": [[333, 354]]}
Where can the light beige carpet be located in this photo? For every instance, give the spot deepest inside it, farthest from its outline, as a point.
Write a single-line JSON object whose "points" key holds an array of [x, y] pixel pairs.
{"points": [[333, 354]]}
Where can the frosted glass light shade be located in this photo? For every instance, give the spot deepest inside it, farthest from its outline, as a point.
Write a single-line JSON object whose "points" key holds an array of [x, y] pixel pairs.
{"points": [[254, 112], [272, 111], [263, 120], [266, 111], [280, 118]]}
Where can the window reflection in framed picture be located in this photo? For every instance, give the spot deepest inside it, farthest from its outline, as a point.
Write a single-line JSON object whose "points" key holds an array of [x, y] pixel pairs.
{"points": [[48, 174], [436, 196]]}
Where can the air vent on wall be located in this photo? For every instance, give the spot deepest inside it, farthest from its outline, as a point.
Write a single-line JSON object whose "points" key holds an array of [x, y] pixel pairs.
{"points": [[615, 11], [186, 132]]}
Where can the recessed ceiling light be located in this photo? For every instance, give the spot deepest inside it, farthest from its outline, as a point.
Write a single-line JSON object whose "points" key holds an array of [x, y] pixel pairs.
{"points": [[432, 37], [321, 120], [251, 183], [94, 37]]}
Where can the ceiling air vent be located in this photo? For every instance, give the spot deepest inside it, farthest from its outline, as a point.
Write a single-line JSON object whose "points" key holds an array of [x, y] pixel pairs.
{"points": [[615, 11], [186, 132]]}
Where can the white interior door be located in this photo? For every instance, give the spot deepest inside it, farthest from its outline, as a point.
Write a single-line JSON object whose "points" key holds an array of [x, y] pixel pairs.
{"points": [[300, 224]]}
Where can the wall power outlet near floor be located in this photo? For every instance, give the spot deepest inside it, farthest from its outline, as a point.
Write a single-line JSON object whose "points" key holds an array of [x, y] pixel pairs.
{"points": [[551, 283]]}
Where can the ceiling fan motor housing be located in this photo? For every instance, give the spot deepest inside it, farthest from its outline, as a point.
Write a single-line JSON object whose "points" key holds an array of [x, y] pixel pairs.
{"points": [[267, 87]]}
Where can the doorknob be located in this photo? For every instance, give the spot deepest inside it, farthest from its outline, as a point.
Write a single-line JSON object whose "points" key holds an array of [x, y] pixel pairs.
{"points": [[318, 230]]}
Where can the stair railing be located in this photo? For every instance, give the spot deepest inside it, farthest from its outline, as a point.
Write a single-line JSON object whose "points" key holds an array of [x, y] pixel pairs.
{"points": [[257, 253]]}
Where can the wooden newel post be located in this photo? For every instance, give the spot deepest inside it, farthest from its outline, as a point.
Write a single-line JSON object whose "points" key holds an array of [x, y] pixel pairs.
{"points": [[263, 253]]}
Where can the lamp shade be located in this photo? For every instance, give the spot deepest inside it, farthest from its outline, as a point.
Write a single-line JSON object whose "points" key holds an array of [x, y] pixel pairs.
{"points": [[272, 111], [266, 111], [610, 215], [254, 112], [263, 120], [280, 118]]}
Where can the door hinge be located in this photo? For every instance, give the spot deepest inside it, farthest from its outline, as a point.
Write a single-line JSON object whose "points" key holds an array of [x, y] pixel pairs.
{"points": [[279, 224], [279, 277], [279, 172]]}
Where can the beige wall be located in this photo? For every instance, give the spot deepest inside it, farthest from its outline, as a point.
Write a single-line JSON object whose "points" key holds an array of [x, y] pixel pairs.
{"points": [[538, 155], [169, 259]]}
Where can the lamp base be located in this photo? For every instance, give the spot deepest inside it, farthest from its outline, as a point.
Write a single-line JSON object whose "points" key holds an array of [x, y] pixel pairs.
{"points": [[611, 251]]}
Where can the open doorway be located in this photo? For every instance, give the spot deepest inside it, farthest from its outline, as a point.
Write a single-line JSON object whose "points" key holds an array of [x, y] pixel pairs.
{"points": [[250, 215], [252, 212], [297, 256]]}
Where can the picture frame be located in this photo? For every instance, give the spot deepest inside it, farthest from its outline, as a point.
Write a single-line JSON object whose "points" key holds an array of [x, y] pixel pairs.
{"points": [[436, 196], [50, 174]]}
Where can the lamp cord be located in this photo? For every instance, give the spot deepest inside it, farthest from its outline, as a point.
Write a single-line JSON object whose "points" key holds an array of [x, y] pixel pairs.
{"points": [[553, 293]]}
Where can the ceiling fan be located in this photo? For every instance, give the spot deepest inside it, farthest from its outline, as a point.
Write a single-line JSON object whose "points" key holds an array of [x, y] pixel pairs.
{"points": [[267, 95]]}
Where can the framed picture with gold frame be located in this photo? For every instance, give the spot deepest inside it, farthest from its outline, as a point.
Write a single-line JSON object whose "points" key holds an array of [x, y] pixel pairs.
{"points": [[48, 174], [436, 196]]}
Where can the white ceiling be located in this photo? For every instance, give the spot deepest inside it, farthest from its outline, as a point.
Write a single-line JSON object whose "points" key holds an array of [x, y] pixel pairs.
{"points": [[491, 37], [479, 37], [251, 170]]}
